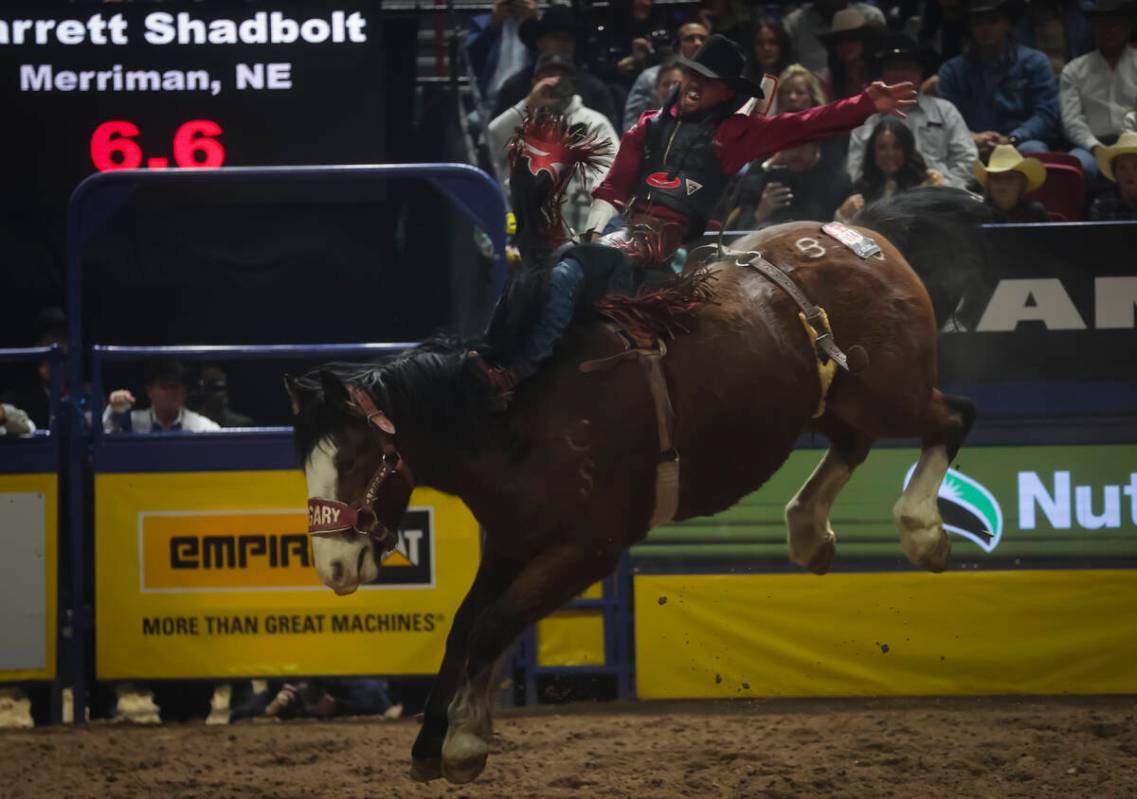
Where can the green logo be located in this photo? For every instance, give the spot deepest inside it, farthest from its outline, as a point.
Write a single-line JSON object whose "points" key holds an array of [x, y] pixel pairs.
{"points": [[968, 509]]}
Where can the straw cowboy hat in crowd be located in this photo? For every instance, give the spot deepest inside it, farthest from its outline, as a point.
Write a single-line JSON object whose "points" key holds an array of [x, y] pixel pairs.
{"points": [[1126, 145], [850, 23], [1005, 158]]}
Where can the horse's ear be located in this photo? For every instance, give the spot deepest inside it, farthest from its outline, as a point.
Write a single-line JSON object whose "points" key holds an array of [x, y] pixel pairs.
{"points": [[335, 392], [293, 393]]}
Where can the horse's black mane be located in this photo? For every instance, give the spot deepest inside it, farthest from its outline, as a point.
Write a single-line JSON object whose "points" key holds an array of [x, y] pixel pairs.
{"points": [[425, 388]]}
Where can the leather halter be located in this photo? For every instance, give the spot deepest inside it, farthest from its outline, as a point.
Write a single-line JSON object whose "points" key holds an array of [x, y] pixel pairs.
{"points": [[331, 516]]}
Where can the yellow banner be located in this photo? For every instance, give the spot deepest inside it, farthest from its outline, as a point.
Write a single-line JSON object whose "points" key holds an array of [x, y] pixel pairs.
{"points": [[210, 574], [28, 576], [908, 633]]}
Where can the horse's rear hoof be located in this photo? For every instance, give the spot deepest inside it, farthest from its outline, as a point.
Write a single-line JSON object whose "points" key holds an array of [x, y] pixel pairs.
{"points": [[937, 560], [463, 757], [425, 769], [823, 558], [463, 771]]}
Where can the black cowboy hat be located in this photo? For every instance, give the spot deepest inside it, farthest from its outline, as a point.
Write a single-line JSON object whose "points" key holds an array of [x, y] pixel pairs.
{"points": [[901, 44], [721, 59], [555, 19]]}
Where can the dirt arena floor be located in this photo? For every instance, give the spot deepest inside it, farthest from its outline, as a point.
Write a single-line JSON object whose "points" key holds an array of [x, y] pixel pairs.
{"points": [[1069, 747]]}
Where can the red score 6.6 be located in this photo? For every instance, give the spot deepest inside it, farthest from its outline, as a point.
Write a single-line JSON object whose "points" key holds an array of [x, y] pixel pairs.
{"points": [[195, 145]]}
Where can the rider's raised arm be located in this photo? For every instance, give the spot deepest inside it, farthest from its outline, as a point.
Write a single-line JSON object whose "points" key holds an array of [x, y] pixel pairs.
{"points": [[744, 138]]}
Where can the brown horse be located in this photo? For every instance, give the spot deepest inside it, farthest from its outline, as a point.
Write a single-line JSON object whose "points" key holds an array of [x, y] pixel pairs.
{"points": [[565, 481]]}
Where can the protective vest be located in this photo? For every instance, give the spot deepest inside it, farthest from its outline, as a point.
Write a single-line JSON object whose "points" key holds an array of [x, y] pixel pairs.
{"points": [[679, 169]]}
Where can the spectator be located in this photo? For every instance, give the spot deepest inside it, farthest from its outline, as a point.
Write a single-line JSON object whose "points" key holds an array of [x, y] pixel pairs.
{"points": [[725, 18], [494, 45], [211, 399], [633, 28], [166, 390], [771, 51], [891, 164], [943, 27], [14, 422], [1006, 92], [852, 42], [35, 398], [1007, 179], [642, 97], [1057, 28], [804, 182], [1119, 164], [807, 24], [942, 137], [1098, 88], [555, 33], [554, 80], [669, 76], [326, 698]]}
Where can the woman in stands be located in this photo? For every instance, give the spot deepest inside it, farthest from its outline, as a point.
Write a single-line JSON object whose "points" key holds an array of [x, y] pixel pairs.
{"points": [[892, 164], [1007, 179], [771, 50]]}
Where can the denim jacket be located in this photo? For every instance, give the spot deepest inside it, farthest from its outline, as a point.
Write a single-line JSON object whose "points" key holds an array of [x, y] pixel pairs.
{"points": [[1016, 95]]}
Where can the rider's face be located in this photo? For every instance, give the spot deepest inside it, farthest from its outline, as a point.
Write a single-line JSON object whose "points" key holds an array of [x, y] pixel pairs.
{"points": [[699, 93]]}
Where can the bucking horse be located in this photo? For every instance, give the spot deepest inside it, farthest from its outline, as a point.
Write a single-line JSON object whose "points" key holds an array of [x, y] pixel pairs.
{"points": [[615, 435]]}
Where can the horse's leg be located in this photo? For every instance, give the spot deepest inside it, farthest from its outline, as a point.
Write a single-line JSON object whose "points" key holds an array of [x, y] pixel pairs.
{"points": [[917, 515], [426, 754], [811, 539], [544, 584]]}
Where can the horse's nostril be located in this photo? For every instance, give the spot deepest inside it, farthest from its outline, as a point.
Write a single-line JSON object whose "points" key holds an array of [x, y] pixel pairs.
{"points": [[337, 570]]}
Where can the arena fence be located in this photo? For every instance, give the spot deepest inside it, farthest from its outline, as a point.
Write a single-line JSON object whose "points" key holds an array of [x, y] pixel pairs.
{"points": [[30, 534], [200, 570]]}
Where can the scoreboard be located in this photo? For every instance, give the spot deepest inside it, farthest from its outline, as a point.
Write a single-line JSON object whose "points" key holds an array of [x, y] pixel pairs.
{"points": [[94, 87]]}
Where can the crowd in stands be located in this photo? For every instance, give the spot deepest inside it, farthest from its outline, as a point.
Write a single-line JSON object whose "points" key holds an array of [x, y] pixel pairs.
{"points": [[1014, 94]]}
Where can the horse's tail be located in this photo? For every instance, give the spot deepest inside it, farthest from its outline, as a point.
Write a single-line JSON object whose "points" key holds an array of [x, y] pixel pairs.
{"points": [[544, 154], [937, 231]]}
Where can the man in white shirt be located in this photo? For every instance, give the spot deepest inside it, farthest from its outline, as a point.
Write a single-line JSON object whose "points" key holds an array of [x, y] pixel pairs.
{"points": [[166, 390], [553, 87], [806, 24], [14, 422], [941, 133], [1098, 89]]}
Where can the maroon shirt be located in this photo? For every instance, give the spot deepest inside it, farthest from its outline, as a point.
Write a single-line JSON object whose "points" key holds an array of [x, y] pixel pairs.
{"points": [[738, 140]]}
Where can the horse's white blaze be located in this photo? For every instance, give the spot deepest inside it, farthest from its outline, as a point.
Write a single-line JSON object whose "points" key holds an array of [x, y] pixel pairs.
{"points": [[337, 555], [916, 512]]}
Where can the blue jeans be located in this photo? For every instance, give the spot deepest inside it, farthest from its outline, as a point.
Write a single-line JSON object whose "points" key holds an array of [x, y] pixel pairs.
{"points": [[1032, 146], [564, 285], [1089, 163]]}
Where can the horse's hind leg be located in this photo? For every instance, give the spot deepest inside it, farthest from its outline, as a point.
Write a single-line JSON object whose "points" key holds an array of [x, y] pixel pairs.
{"points": [[917, 515], [811, 539]]}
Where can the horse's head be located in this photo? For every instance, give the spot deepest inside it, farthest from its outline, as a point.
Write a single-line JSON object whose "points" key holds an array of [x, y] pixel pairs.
{"points": [[358, 483]]}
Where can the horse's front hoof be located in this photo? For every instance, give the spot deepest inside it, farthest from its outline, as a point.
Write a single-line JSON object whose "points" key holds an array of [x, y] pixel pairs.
{"points": [[823, 558], [463, 757], [425, 769]]}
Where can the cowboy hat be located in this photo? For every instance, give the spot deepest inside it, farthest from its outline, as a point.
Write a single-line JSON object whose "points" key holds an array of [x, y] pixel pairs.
{"points": [[556, 19], [901, 45], [848, 22], [1011, 9], [1126, 145], [721, 59], [1005, 158]]}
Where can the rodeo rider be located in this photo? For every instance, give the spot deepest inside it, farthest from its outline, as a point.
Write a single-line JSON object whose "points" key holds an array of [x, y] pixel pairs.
{"points": [[667, 177]]}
